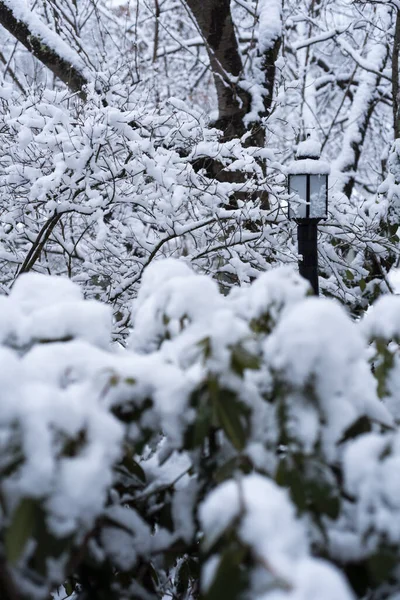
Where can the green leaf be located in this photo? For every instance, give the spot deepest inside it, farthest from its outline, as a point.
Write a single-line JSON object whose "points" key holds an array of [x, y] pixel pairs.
{"points": [[229, 581], [349, 275], [182, 579], [323, 498], [290, 478], [297, 491], [202, 425], [20, 529], [73, 446], [205, 345], [232, 416], [262, 325], [197, 432], [153, 574], [12, 465], [241, 360], [47, 544], [362, 284], [69, 587], [362, 425], [133, 467], [381, 564], [163, 516], [383, 364], [228, 469]]}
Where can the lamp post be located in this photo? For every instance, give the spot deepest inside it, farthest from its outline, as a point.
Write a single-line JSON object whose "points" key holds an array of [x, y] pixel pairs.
{"points": [[308, 183]]}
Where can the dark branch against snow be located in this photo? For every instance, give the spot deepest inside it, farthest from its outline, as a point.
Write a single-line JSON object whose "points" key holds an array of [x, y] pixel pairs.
{"points": [[43, 43]]}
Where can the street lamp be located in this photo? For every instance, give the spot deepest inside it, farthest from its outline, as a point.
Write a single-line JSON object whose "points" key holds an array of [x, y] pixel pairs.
{"points": [[308, 184]]}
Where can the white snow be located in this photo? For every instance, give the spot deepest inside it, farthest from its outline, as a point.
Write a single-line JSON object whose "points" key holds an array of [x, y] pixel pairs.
{"points": [[371, 464], [277, 540], [316, 345], [383, 319], [309, 148], [308, 166], [270, 23], [52, 404]]}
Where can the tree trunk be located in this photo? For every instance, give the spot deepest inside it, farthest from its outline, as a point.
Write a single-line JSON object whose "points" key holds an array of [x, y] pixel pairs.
{"points": [[395, 77], [214, 20]]}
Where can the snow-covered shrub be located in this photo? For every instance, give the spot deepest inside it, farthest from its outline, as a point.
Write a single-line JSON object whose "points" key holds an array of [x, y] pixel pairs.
{"points": [[58, 441], [243, 445], [97, 192]]}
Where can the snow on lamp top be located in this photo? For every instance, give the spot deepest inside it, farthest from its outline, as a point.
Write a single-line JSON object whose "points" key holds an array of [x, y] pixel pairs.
{"points": [[308, 159], [309, 148]]}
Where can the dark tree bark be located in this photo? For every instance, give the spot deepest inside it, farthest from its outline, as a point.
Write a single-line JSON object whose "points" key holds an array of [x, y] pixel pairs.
{"points": [[214, 20], [395, 77], [268, 67], [61, 68]]}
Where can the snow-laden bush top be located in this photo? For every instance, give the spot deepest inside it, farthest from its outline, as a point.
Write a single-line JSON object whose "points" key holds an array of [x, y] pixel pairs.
{"points": [[242, 444]]}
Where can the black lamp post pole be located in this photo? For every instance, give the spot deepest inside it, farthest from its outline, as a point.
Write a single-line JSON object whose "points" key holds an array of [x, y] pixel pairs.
{"points": [[307, 242]]}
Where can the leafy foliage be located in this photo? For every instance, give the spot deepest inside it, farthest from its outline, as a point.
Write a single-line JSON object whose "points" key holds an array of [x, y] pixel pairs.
{"points": [[211, 457]]}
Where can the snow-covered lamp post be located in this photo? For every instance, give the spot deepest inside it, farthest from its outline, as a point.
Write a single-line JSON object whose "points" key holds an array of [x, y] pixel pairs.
{"points": [[308, 183]]}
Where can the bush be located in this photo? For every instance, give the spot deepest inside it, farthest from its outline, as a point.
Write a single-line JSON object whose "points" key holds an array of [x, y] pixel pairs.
{"points": [[241, 446]]}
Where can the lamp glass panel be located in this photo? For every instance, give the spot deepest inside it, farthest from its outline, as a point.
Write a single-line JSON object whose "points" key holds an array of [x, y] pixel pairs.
{"points": [[298, 185], [318, 184]]}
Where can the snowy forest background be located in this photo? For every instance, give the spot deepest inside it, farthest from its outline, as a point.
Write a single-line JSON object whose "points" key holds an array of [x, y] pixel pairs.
{"points": [[179, 417]]}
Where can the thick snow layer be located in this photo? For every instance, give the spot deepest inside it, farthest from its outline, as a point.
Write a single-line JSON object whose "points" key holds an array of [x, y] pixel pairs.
{"points": [[314, 348], [46, 412], [32, 313], [394, 278], [267, 525], [371, 466], [317, 345], [262, 504], [308, 166], [270, 23], [180, 295], [383, 319], [279, 289], [309, 148]]}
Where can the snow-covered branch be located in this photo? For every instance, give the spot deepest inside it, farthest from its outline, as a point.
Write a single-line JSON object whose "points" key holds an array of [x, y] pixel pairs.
{"points": [[44, 44]]}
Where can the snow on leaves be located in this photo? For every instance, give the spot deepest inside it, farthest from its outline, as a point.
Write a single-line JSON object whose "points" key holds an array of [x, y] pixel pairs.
{"points": [[115, 458]]}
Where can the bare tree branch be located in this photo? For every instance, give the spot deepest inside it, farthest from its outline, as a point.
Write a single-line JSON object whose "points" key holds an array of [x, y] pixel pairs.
{"points": [[11, 72]]}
